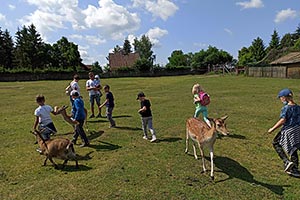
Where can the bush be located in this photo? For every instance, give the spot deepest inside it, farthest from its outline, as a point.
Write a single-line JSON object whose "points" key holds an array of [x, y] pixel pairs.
{"points": [[143, 65]]}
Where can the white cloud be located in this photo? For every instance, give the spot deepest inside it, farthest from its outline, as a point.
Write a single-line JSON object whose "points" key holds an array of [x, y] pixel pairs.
{"points": [[90, 39], [76, 36], [200, 45], [228, 31], [111, 19], [159, 8], [11, 7], [283, 15], [53, 14], [95, 40], [2, 17], [43, 21], [155, 34], [251, 4]]}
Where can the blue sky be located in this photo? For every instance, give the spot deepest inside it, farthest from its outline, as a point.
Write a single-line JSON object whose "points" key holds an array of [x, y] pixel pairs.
{"points": [[97, 26]]}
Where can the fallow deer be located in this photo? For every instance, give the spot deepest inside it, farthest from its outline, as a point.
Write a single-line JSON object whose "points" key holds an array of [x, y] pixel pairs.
{"points": [[204, 135], [61, 148]]}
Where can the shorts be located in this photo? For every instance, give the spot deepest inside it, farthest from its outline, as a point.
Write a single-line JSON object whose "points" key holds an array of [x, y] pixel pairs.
{"points": [[47, 130], [95, 97]]}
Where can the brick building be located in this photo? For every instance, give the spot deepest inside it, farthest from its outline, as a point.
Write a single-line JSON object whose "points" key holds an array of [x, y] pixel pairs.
{"points": [[118, 59]]}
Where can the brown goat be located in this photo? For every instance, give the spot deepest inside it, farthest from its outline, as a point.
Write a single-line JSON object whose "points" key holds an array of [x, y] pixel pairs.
{"points": [[61, 148]]}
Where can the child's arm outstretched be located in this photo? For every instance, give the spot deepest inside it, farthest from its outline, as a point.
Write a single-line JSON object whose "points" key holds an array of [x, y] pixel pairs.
{"points": [[277, 125]]}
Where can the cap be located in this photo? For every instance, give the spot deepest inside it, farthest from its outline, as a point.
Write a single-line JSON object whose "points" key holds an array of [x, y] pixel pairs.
{"points": [[141, 94], [74, 93], [97, 76], [285, 93]]}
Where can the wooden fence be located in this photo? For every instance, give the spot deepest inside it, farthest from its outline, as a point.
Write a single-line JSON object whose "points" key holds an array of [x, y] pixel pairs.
{"points": [[275, 72], [7, 77]]}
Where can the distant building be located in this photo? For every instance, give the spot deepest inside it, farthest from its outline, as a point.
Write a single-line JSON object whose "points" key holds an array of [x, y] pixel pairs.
{"points": [[287, 66], [119, 59], [86, 67]]}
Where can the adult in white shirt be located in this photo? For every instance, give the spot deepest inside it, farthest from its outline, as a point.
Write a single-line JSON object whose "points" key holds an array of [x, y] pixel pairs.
{"points": [[94, 94]]}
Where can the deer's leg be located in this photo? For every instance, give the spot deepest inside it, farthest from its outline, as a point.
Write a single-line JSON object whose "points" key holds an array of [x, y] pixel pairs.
{"points": [[211, 163], [65, 162], [45, 162], [202, 156], [187, 141], [195, 152], [76, 161], [51, 160]]}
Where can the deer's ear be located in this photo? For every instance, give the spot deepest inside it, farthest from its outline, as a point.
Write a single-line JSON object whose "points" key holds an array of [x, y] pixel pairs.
{"points": [[225, 117]]}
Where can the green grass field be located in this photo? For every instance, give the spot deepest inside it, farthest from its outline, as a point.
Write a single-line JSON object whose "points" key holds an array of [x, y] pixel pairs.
{"points": [[119, 164]]}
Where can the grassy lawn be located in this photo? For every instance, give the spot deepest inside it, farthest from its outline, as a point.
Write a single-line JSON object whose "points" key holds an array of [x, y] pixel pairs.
{"points": [[119, 164]]}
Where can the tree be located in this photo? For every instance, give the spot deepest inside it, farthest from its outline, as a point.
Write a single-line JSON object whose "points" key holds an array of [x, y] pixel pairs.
{"points": [[297, 45], [97, 67], [286, 41], [275, 41], [127, 47], [29, 48], [2, 49], [143, 47], [244, 56], [198, 60], [117, 49], [8, 50], [177, 58], [296, 34], [66, 54], [257, 49]]}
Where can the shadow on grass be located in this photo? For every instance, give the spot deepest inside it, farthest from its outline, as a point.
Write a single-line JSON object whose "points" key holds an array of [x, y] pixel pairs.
{"points": [[94, 134], [121, 116], [85, 157], [235, 136], [170, 139], [72, 168], [104, 146], [69, 133], [234, 170], [97, 121], [128, 128]]}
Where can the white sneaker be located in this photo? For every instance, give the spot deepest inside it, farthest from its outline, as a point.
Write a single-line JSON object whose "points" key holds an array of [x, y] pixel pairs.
{"points": [[145, 138], [153, 139], [288, 165]]}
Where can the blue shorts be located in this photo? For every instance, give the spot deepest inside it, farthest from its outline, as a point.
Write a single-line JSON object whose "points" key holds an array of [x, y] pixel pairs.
{"points": [[95, 97]]}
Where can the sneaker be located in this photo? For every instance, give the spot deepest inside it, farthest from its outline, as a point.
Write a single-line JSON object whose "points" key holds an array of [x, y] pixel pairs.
{"points": [[288, 165], [145, 138], [84, 145], [92, 116], [153, 139], [112, 126], [73, 141], [99, 115], [294, 172]]}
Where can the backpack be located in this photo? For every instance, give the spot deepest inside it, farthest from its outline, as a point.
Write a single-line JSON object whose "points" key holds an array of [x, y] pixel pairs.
{"points": [[204, 98]]}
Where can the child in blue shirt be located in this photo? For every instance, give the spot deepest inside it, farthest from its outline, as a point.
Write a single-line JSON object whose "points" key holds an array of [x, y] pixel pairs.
{"points": [[287, 141], [78, 115]]}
